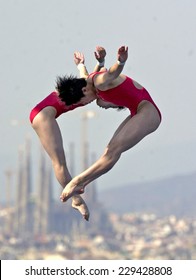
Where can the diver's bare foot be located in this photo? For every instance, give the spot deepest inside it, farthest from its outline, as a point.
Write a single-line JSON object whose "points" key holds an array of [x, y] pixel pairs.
{"points": [[71, 190], [79, 204]]}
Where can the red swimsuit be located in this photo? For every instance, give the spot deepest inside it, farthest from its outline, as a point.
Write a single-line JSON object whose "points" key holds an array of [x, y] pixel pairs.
{"points": [[54, 101], [126, 95]]}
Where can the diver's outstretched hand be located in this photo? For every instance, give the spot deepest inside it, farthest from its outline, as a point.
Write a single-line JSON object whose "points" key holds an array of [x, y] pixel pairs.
{"points": [[100, 54], [122, 54], [79, 58]]}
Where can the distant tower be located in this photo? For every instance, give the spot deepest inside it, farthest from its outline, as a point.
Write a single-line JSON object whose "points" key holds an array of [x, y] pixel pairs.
{"points": [[71, 157], [40, 194], [44, 199], [9, 224], [8, 175], [19, 193], [47, 203], [86, 115], [91, 193], [26, 202]]}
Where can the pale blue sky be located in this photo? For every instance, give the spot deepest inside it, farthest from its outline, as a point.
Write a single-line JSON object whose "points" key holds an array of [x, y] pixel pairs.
{"points": [[38, 38]]}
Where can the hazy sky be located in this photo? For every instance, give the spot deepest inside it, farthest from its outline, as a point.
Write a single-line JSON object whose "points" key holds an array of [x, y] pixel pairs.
{"points": [[38, 38]]}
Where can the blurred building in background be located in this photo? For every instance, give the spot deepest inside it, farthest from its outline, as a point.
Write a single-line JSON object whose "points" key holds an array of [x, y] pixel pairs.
{"points": [[32, 213]]}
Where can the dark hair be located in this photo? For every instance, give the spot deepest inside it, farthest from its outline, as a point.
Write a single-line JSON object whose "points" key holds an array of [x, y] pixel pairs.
{"points": [[70, 88], [119, 108]]}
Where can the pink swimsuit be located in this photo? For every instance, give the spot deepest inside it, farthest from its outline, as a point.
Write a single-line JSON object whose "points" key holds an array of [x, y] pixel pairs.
{"points": [[126, 95], [54, 101]]}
